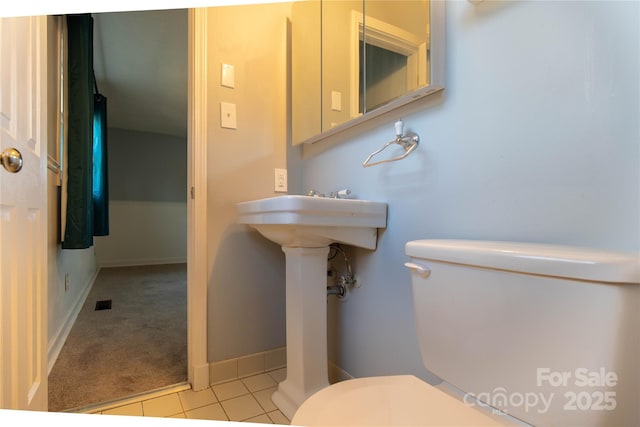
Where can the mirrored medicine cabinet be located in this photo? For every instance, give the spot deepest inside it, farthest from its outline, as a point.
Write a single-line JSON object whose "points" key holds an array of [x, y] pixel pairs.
{"points": [[356, 60]]}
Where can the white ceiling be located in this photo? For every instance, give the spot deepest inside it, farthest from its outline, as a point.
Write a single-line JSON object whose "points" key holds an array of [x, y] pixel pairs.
{"points": [[140, 61]]}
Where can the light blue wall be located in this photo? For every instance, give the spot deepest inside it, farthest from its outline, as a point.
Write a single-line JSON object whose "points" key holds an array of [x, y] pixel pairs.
{"points": [[536, 139], [148, 200], [145, 166]]}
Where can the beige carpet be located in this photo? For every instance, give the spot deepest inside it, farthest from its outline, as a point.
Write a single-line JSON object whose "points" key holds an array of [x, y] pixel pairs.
{"points": [[138, 345]]}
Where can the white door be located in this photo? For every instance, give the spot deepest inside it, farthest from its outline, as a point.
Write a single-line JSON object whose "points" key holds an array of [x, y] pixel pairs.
{"points": [[23, 215]]}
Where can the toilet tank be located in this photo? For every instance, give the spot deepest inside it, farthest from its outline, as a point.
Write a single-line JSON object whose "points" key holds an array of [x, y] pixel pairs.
{"points": [[548, 334]]}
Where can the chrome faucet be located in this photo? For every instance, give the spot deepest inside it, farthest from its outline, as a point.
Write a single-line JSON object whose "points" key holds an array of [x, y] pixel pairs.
{"points": [[333, 195], [340, 193]]}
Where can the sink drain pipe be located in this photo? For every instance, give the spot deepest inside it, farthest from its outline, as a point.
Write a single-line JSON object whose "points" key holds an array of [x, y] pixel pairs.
{"points": [[341, 288]]}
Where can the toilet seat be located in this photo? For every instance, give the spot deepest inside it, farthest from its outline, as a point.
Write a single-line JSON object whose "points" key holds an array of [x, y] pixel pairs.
{"points": [[388, 400]]}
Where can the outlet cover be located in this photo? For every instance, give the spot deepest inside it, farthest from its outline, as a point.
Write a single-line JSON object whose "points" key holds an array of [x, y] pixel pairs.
{"points": [[280, 181]]}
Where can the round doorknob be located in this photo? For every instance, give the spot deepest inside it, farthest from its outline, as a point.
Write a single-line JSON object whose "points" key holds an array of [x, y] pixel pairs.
{"points": [[11, 160]]}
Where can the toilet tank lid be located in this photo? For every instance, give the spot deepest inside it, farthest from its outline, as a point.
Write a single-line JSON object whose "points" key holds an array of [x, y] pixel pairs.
{"points": [[535, 258]]}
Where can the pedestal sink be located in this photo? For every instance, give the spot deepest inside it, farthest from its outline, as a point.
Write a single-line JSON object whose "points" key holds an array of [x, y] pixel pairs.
{"points": [[305, 227]]}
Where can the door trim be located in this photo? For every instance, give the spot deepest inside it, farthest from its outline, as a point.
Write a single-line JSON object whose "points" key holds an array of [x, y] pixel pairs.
{"points": [[198, 367]]}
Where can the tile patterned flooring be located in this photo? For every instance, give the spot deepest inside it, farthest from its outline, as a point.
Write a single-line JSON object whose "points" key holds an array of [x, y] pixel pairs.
{"points": [[246, 399]]}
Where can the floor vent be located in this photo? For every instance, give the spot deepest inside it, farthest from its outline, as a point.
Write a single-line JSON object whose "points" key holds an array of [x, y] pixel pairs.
{"points": [[103, 305]]}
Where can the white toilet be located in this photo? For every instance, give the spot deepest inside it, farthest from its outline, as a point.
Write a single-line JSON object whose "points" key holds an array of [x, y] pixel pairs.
{"points": [[539, 334]]}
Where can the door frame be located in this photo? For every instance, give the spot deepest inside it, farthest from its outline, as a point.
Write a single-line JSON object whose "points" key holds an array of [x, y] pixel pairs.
{"points": [[197, 259]]}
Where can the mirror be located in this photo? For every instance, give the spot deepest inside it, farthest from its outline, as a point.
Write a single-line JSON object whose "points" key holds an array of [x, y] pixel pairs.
{"points": [[355, 60], [340, 56]]}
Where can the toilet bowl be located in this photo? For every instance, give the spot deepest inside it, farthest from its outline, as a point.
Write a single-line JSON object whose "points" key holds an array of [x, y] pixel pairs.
{"points": [[505, 322], [399, 400]]}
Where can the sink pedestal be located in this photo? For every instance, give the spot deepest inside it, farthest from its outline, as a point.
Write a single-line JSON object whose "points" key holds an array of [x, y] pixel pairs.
{"points": [[305, 227], [306, 308]]}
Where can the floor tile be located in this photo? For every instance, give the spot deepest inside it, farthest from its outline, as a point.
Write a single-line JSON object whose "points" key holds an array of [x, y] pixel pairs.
{"points": [[163, 406], [209, 412], [134, 409], [245, 400], [195, 399], [242, 408], [263, 419], [278, 418], [229, 390], [264, 399], [259, 382]]}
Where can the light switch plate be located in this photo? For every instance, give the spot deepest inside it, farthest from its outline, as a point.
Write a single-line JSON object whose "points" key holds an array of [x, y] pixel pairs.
{"points": [[336, 100], [228, 115], [228, 78]]}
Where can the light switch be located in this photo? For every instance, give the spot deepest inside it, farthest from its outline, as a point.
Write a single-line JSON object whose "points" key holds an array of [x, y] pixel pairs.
{"points": [[228, 78], [228, 115], [336, 100]]}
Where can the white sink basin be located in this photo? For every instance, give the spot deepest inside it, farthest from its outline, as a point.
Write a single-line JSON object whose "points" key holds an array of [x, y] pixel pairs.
{"points": [[304, 221]]}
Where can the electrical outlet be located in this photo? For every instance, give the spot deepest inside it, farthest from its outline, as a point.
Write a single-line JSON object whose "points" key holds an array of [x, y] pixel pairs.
{"points": [[280, 181], [66, 282]]}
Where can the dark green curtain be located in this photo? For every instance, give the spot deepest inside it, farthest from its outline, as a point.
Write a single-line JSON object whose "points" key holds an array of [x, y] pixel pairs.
{"points": [[100, 178], [81, 209]]}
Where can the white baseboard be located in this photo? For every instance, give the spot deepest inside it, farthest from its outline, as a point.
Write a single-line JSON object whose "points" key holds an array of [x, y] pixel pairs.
{"points": [[55, 346], [253, 364], [142, 261]]}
